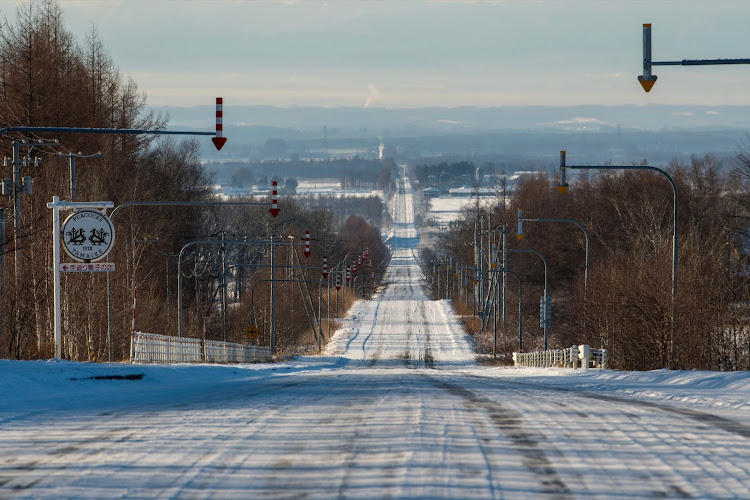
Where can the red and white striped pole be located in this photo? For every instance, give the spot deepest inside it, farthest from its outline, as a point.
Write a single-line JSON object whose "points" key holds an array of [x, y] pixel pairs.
{"points": [[325, 266], [307, 244], [219, 140], [348, 273], [338, 281], [274, 200]]}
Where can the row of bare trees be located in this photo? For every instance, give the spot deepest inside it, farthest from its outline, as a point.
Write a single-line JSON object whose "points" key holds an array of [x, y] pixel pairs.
{"points": [[627, 305], [49, 79]]}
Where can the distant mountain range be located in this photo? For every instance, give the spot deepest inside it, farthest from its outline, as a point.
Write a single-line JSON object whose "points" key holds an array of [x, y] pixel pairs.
{"points": [[310, 121], [618, 133]]}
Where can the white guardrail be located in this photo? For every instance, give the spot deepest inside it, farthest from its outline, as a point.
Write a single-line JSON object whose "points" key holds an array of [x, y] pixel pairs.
{"points": [[573, 357], [155, 348]]}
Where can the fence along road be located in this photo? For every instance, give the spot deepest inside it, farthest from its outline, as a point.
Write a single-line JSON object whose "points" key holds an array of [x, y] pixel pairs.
{"points": [[396, 408]]}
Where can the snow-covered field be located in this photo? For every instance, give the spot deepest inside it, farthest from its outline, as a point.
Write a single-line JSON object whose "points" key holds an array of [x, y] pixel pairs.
{"points": [[445, 210], [395, 408], [332, 187]]}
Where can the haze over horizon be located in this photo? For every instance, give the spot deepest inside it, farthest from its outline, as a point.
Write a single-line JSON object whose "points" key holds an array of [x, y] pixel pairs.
{"points": [[417, 54]]}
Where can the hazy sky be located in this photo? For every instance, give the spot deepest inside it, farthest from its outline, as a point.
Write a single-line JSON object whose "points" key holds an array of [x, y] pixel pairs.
{"points": [[405, 54]]}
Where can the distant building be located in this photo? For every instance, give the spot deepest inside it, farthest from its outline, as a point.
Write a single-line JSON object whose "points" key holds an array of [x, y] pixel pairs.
{"points": [[431, 192], [466, 192]]}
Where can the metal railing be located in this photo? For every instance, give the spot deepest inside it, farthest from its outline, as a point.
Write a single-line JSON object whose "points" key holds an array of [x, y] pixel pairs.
{"points": [[581, 356], [155, 348], [227, 352]]}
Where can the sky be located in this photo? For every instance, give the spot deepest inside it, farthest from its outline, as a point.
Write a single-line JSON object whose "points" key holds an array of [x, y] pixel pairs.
{"points": [[411, 54]]}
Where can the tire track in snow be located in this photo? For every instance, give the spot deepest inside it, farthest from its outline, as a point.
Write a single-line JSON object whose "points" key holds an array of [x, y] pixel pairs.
{"points": [[716, 421], [510, 424], [81, 445], [671, 451]]}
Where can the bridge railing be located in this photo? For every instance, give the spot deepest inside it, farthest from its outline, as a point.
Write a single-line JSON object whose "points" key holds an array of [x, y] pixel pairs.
{"points": [[227, 352], [577, 356], [155, 348]]}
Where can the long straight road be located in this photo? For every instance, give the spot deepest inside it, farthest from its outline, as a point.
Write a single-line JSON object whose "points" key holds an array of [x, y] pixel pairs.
{"points": [[396, 408]]}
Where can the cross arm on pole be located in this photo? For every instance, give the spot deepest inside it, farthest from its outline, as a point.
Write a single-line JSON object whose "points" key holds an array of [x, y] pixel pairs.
{"points": [[186, 204], [700, 62], [206, 242], [84, 130]]}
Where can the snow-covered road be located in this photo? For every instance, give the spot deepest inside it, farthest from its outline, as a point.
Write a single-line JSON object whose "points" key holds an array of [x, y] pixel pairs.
{"points": [[396, 408]]}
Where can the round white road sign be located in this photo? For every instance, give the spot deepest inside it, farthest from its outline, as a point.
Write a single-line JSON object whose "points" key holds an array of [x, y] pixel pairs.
{"points": [[88, 235]]}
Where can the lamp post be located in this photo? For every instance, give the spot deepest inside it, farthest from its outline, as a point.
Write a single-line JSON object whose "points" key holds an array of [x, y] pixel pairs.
{"points": [[143, 203], [252, 300], [520, 235], [225, 242], [675, 243], [545, 286]]}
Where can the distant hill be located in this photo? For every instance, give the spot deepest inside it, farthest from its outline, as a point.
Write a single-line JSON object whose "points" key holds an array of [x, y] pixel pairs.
{"points": [[619, 133], [378, 121]]}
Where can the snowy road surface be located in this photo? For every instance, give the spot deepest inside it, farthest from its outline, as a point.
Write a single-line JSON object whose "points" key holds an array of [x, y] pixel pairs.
{"points": [[396, 408]]}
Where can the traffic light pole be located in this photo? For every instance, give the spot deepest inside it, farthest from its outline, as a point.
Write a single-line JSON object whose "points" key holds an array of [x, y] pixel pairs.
{"points": [[218, 140], [647, 79]]}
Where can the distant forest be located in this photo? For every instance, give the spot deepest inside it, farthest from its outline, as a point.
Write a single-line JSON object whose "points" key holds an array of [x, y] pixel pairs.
{"points": [[49, 79], [352, 172], [625, 301]]}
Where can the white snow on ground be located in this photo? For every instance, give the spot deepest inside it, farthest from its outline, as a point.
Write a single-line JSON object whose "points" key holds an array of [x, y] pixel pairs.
{"points": [[445, 209], [395, 408], [332, 187]]}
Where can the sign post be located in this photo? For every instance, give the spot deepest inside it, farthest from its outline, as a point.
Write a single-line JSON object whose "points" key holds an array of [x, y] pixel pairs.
{"points": [[251, 332], [86, 239]]}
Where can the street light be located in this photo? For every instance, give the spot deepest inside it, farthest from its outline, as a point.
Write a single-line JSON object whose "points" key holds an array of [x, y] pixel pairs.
{"points": [[675, 242], [225, 242], [252, 304], [520, 312], [143, 203], [546, 295], [520, 235]]}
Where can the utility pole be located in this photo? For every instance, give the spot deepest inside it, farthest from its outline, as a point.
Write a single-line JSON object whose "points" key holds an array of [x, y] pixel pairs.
{"points": [[218, 141], [15, 185], [72, 158]]}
